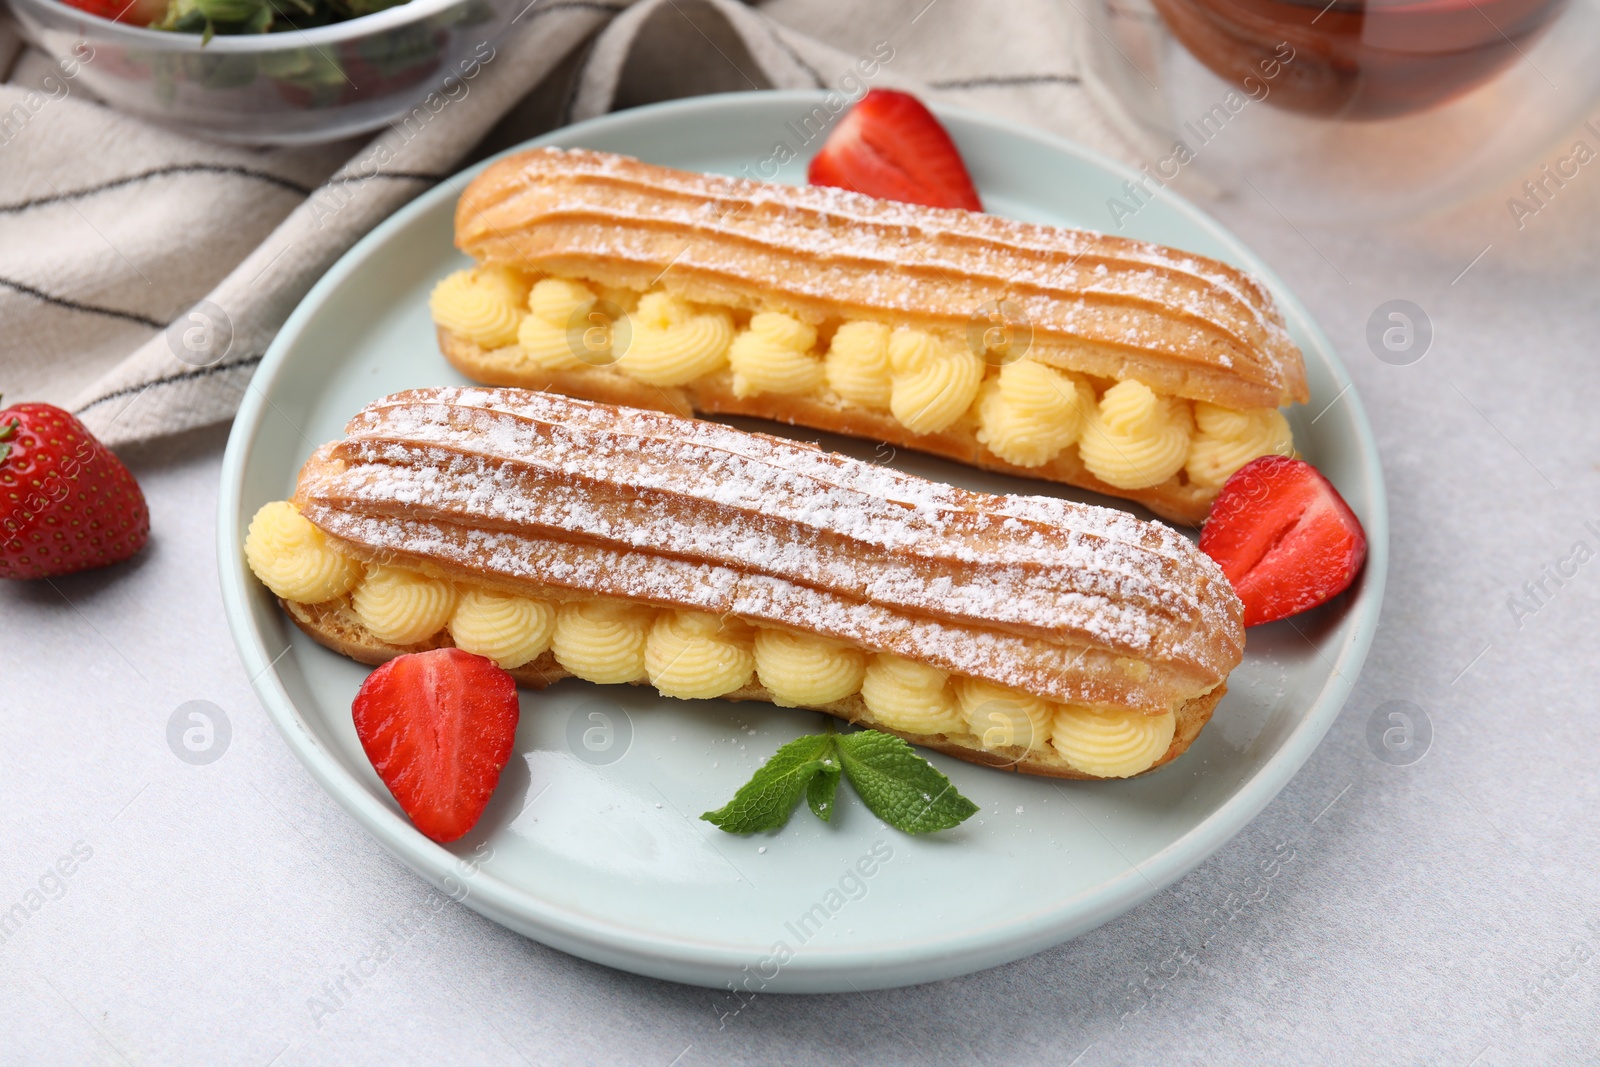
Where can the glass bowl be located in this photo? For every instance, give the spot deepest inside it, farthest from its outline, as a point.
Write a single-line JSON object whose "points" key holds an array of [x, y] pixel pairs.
{"points": [[1337, 111], [290, 87]]}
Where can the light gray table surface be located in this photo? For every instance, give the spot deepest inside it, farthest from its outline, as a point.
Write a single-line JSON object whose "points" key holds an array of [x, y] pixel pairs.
{"points": [[1440, 912]]}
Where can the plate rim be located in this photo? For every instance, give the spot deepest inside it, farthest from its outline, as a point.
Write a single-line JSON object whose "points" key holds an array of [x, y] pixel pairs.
{"points": [[822, 968]]}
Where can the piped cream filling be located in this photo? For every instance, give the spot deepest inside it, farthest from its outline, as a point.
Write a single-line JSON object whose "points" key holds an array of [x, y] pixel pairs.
{"points": [[602, 642], [694, 655], [933, 382], [1226, 440], [401, 606], [800, 670], [511, 630], [673, 342], [1029, 413], [294, 559], [548, 336], [1025, 413], [906, 695], [1004, 718], [1136, 438], [1110, 743], [774, 356], [483, 304], [857, 365]]}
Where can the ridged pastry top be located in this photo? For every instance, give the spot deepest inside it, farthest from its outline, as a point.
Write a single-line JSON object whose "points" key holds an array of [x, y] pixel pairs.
{"points": [[1188, 325], [541, 492]]}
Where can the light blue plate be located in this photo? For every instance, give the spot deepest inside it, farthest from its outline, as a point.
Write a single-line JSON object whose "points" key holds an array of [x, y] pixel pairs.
{"points": [[592, 844]]}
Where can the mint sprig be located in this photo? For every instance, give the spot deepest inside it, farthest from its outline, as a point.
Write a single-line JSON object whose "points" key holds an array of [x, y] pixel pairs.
{"points": [[764, 803], [896, 784], [821, 789], [899, 786]]}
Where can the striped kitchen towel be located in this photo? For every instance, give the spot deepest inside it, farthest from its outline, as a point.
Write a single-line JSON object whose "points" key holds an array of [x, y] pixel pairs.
{"points": [[143, 273]]}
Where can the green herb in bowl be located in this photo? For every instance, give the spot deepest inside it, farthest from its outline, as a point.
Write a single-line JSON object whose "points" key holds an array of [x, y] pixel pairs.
{"points": [[209, 17]]}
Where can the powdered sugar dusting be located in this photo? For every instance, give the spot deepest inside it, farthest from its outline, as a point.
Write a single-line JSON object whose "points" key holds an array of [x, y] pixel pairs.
{"points": [[590, 497]]}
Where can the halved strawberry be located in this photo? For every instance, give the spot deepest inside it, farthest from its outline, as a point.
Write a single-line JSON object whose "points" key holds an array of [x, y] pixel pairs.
{"points": [[890, 146], [1284, 537], [438, 728]]}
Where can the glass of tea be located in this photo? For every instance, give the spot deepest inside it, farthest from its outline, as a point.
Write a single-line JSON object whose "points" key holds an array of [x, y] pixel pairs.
{"points": [[1362, 59], [1341, 110]]}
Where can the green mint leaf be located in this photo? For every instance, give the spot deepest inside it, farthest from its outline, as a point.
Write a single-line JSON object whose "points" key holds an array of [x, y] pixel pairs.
{"points": [[766, 801], [899, 786], [823, 786], [896, 784]]}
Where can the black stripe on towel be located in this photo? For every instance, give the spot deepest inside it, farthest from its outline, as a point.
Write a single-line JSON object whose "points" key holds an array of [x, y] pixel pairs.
{"points": [[1006, 82], [186, 376], [158, 172], [73, 305]]}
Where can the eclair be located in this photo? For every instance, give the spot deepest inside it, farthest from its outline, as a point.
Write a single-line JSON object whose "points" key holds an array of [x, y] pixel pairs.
{"points": [[1113, 365], [567, 538]]}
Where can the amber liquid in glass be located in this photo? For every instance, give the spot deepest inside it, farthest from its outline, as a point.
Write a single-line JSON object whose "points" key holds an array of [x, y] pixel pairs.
{"points": [[1362, 59]]}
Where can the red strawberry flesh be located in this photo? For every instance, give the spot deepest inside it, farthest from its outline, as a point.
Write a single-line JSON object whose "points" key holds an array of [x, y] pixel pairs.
{"points": [[438, 727], [890, 146], [1284, 537], [133, 12]]}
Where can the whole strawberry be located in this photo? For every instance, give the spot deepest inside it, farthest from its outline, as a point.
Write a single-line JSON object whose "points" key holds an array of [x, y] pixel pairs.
{"points": [[66, 503]]}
